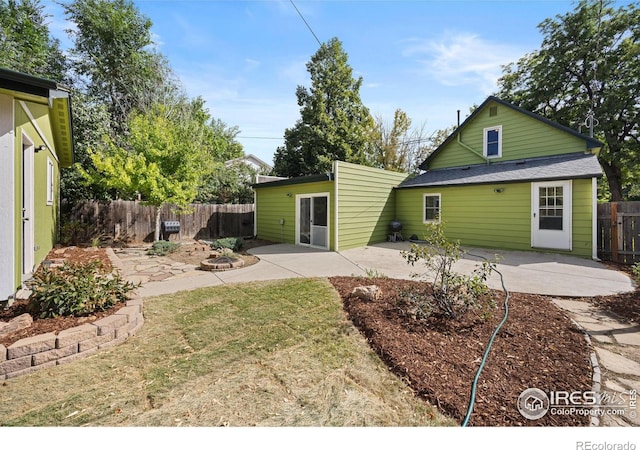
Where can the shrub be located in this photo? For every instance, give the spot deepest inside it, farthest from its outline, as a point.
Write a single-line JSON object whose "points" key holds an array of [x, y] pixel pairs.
{"points": [[163, 248], [453, 293], [76, 290], [636, 271], [231, 243]]}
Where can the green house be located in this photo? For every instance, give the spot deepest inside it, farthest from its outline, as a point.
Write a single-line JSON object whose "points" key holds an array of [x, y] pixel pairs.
{"points": [[505, 178], [35, 142]]}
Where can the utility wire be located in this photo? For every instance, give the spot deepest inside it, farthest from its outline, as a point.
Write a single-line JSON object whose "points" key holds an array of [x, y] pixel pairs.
{"points": [[305, 22]]}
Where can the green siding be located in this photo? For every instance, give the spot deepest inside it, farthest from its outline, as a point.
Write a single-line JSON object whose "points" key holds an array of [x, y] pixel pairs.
{"points": [[522, 137], [477, 216], [366, 204], [273, 203]]}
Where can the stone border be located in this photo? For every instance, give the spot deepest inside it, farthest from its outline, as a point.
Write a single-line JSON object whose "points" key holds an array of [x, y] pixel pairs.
{"points": [[595, 366], [47, 350]]}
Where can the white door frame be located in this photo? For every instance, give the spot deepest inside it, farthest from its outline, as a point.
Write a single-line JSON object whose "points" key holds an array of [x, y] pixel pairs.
{"points": [[27, 207], [314, 230], [8, 263], [556, 239]]}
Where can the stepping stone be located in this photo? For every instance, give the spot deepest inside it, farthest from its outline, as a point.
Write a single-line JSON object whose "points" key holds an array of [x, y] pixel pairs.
{"points": [[628, 336], [617, 363]]}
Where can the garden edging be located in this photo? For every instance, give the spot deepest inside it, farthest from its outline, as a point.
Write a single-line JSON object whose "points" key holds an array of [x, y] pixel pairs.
{"points": [[46, 350]]}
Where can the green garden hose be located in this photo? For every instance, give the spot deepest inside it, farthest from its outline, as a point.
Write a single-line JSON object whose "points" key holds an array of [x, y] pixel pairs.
{"points": [[486, 352]]}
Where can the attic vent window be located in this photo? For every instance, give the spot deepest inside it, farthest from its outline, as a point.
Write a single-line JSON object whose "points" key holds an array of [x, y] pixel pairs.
{"points": [[493, 111]]}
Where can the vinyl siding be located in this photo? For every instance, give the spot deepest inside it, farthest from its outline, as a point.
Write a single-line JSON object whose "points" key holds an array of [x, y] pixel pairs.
{"points": [[478, 216], [273, 204], [522, 137], [366, 203]]}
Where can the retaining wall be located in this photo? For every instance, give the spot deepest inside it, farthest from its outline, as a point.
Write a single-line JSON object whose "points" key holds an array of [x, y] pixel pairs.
{"points": [[46, 350]]}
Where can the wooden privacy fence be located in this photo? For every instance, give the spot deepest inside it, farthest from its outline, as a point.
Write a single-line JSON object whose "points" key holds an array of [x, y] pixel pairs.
{"points": [[619, 232], [133, 221]]}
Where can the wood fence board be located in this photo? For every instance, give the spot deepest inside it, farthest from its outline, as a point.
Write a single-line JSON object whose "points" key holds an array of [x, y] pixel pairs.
{"points": [[133, 221], [619, 232]]}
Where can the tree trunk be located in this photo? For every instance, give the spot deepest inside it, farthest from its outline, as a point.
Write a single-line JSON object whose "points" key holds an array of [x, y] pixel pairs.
{"points": [[614, 178], [156, 233]]}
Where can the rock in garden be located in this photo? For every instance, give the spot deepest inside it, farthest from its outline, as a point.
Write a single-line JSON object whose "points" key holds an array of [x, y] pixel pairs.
{"points": [[367, 293], [17, 323]]}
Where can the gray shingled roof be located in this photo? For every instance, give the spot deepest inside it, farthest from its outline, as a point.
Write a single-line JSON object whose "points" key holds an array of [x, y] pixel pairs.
{"points": [[573, 165]]}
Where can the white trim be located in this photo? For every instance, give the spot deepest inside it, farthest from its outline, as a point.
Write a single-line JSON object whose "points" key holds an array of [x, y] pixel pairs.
{"points": [[50, 182], [594, 218], [545, 238], [335, 206], [497, 128], [8, 260], [28, 205], [38, 130], [424, 207], [297, 207]]}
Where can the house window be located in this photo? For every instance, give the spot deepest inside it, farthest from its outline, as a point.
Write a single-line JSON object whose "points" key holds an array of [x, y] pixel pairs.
{"points": [[431, 208], [493, 142], [50, 182]]}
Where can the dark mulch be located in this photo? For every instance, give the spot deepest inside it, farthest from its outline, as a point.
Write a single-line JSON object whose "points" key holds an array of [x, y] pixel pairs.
{"points": [[76, 255], [537, 347]]}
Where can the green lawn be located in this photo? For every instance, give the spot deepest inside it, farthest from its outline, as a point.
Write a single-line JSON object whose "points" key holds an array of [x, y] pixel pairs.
{"points": [[268, 354]]}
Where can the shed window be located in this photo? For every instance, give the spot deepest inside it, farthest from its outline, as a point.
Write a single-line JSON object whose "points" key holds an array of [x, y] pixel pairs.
{"points": [[431, 208], [493, 142]]}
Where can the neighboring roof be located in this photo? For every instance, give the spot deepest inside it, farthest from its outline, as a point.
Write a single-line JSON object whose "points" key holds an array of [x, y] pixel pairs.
{"points": [[591, 143], [250, 158], [296, 180], [567, 166], [59, 102]]}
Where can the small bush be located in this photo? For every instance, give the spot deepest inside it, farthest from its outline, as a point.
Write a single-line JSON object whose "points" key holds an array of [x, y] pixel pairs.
{"points": [[76, 290], [163, 248], [232, 243], [636, 271], [453, 293]]}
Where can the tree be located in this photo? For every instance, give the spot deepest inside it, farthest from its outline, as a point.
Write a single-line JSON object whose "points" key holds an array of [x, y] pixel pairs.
{"points": [[588, 66], [398, 147], [163, 161], [334, 124], [229, 184], [25, 43], [112, 54]]}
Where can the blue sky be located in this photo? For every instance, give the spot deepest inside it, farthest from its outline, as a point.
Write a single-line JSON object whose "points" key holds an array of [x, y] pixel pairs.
{"points": [[428, 58]]}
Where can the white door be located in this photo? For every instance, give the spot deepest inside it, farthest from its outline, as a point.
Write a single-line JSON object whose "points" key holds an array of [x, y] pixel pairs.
{"points": [[551, 221], [27, 208], [312, 224]]}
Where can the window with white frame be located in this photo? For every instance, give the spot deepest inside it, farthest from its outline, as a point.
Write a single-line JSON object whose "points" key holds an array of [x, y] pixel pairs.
{"points": [[50, 181], [431, 208], [492, 142]]}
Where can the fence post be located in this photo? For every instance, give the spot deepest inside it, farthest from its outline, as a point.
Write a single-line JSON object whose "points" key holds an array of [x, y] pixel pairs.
{"points": [[614, 231]]}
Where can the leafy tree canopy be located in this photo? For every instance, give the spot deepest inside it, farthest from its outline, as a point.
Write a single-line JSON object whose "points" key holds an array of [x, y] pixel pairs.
{"points": [[334, 124], [588, 63]]}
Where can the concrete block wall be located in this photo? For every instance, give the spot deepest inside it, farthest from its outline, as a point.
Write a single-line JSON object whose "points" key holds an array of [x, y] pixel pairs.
{"points": [[46, 350]]}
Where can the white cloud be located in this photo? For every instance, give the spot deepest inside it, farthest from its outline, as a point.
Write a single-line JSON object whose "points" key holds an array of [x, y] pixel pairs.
{"points": [[296, 72], [462, 59]]}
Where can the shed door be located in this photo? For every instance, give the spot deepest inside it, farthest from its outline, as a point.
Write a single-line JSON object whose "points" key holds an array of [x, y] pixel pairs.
{"points": [[313, 220], [28, 240], [551, 221]]}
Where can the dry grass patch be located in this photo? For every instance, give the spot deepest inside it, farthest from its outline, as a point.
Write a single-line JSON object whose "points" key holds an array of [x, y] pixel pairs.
{"points": [[268, 354]]}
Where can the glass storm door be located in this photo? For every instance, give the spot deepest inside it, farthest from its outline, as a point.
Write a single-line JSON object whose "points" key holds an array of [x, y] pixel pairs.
{"points": [[313, 221], [551, 221]]}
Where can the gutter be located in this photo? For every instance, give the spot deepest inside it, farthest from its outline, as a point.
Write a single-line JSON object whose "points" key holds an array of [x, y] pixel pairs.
{"points": [[459, 140]]}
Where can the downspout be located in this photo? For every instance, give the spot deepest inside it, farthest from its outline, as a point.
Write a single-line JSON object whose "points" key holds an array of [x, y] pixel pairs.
{"points": [[480, 155]]}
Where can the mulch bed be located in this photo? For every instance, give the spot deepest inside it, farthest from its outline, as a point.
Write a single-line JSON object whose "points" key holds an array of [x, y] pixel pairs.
{"points": [[537, 347], [76, 255]]}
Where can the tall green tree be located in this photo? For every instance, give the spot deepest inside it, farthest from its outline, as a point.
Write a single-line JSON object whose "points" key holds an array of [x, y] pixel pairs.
{"points": [[25, 43], [113, 54], [334, 124], [398, 146], [588, 66], [162, 161]]}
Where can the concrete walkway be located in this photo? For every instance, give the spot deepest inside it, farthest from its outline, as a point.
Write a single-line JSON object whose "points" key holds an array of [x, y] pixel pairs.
{"points": [[615, 342]]}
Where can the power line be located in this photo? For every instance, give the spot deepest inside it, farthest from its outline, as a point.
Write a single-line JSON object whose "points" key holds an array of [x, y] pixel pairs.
{"points": [[305, 22]]}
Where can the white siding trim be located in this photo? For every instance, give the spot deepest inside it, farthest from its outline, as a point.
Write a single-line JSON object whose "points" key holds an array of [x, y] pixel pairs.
{"points": [[594, 219], [335, 214], [7, 198]]}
